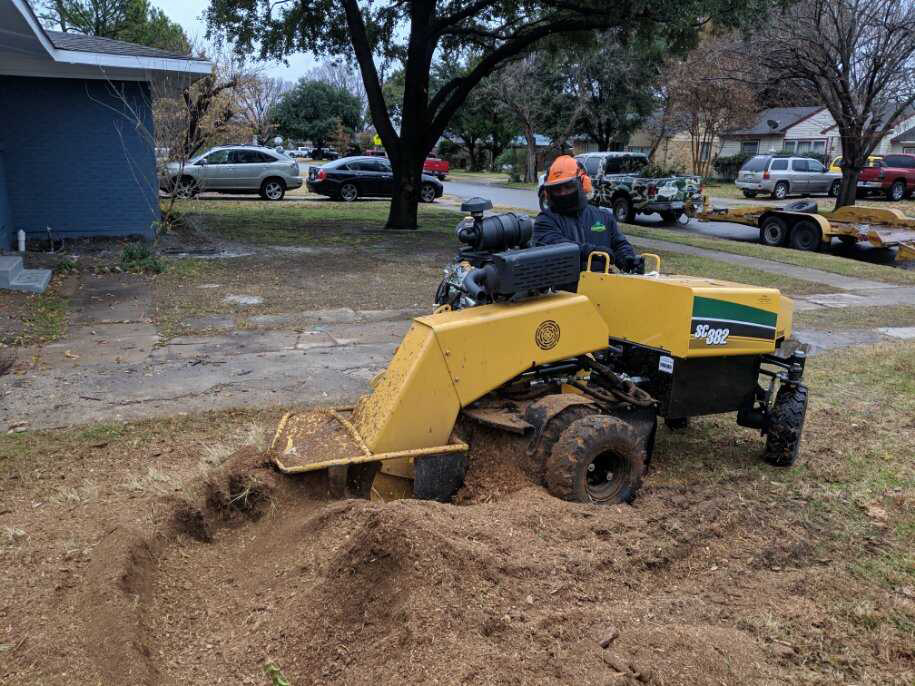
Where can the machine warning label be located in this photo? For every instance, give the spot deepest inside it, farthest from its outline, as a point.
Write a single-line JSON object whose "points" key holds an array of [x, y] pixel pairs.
{"points": [[666, 364], [547, 335]]}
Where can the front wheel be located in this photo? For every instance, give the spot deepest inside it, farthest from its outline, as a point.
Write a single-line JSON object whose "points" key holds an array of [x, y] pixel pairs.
{"points": [[773, 232], [669, 216], [273, 189], [599, 460], [749, 194], [427, 193], [622, 209], [786, 422]]}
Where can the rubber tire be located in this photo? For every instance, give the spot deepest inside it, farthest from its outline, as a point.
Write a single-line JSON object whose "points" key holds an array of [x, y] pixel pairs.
{"points": [[776, 240], [623, 203], [833, 191], [427, 190], [583, 442], [438, 477], [190, 183], [775, 191], [354, 194], [749, 194], [263, 190], [806, 235], [669, 216], [786, 423], [550, 434], [677, 423], [896, 192]]}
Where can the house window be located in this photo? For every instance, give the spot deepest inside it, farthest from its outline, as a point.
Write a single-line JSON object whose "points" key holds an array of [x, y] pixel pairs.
{"points": [[705, 150], [819, 147], [638, 148], [908, 151], [749, 147], [801, 147], [788, 146]]}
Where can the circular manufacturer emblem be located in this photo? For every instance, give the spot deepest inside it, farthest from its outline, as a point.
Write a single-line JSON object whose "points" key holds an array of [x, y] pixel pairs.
{"points": [[547, 335]]}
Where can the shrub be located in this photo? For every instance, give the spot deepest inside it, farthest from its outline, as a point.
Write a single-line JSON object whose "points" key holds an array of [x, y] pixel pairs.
{"points": [[726, 168], [137, 257]]}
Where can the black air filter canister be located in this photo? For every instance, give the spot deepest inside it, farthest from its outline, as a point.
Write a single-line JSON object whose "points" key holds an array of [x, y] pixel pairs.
{"points": [[546, 266]]}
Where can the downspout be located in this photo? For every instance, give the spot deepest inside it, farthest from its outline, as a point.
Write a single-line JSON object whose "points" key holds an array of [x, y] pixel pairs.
{"points": [[6, 214]]}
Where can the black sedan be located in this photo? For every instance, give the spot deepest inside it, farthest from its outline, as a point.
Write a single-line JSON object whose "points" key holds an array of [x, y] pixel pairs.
{"points": [[367, 177]]}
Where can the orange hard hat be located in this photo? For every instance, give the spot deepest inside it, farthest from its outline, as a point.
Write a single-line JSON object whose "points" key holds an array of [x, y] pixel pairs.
{"points": [[564, 169]]}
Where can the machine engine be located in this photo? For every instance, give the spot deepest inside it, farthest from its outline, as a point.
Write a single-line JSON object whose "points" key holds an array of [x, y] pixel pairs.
{"points": [[497, 263]]}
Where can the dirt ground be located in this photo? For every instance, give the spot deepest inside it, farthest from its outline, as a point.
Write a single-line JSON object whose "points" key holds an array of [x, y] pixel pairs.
{"points": [[166, 552]]}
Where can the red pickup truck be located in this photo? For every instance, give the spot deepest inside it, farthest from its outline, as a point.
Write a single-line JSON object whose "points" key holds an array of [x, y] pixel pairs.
{"points": [[894, 175], [439, 167]]}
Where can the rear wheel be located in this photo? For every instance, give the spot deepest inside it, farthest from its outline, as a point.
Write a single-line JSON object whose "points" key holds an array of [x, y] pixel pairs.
{"points": [[773, 232], [273, 189], [848, 241], [806, 235], [834, 189], [598, 460], [780, 192], [786, 422], [349, 192], [542, 447], [622, 209], [896, 192], [749, 194], [427, 192]]}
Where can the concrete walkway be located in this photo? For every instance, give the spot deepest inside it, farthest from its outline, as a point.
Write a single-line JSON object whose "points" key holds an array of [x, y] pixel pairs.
{"points": [[112, 365]]}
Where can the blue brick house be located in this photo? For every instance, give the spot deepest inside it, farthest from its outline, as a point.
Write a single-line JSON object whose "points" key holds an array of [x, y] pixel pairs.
{"points": [[76, 154]]}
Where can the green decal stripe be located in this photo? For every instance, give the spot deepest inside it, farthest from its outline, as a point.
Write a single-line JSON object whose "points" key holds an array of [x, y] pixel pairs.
{"points": [[722, 309]]}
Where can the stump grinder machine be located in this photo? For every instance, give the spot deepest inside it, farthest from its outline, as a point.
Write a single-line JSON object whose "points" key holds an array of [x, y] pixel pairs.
{"points": [[582, 376]]}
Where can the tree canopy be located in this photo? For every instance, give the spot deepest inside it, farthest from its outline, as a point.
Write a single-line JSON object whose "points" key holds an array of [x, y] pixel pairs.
{"points": [[412, 32], [314, 110], [134, 21]]}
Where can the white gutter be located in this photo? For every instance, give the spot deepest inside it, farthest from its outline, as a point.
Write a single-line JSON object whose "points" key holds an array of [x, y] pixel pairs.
{"points": [[102, 60]]}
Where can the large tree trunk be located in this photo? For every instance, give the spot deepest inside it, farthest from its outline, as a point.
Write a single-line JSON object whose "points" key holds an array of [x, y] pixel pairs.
{"points": [[407, 181]]}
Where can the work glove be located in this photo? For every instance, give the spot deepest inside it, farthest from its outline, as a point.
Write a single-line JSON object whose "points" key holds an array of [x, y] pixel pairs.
{"points": [[634, 265]]}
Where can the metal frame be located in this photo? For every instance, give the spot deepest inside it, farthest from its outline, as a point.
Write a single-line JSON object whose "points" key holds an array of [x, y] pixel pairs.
{"points": [[366, 456]]}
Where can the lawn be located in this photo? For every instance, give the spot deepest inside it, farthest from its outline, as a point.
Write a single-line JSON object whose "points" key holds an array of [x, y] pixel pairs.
{"points": [[828, 263], [856, 317]]}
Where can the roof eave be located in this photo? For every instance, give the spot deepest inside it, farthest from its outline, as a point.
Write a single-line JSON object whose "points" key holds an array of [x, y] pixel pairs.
{"points": [[147, 64]]}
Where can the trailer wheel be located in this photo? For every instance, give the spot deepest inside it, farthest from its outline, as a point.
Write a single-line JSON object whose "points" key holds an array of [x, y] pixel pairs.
{"points": [[597, 460], [773, 232], [806, 235], [786, 422]]}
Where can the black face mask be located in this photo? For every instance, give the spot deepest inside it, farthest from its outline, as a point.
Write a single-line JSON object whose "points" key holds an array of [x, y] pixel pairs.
{"points": [[569, 203]]}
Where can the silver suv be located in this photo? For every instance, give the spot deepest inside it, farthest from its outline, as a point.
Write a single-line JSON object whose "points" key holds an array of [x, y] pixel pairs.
{"points": [[784, 176], [233, 169]]}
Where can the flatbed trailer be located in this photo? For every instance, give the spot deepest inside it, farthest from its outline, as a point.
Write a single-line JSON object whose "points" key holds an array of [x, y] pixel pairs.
{"points": [[812, 230]]}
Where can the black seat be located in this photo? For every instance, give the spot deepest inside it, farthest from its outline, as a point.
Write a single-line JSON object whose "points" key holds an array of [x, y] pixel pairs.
{"points": [[806, 206]]}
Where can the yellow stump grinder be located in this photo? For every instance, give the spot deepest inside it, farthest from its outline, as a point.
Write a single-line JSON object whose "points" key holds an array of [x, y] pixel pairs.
{"points": [[584, 375]]}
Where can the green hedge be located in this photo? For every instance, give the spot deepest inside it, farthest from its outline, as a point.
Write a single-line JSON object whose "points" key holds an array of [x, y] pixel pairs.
{"points": [[726, 168]]}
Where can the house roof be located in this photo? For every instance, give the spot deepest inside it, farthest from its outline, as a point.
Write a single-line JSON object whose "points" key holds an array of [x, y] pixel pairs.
{"points": [[907, 135], [886, 111], [28, 49], [783, 119], [82, 43]]}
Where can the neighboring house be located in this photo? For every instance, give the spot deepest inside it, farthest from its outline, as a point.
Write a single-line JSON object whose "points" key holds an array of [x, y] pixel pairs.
{"points": [[74, 158], [805, 130]]}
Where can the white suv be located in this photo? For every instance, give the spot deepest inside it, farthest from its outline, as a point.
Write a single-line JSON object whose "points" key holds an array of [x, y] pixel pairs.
{"points": [[233, 169]]}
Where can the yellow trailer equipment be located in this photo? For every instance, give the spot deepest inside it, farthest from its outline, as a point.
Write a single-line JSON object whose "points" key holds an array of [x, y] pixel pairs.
{"points": [[800, 225]]}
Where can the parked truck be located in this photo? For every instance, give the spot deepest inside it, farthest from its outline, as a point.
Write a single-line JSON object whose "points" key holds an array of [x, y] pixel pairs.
{"points": [[620, 183]]}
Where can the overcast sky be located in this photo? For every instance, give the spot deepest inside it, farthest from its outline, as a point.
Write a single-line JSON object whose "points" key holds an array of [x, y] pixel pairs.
{"points": [[189, 13]]}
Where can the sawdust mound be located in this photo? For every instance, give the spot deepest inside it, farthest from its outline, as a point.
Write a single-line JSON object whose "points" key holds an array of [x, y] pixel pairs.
{"points": [[520, 589]]}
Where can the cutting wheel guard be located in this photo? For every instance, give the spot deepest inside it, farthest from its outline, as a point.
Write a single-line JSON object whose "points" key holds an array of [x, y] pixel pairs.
{"points": [[322, 438]]}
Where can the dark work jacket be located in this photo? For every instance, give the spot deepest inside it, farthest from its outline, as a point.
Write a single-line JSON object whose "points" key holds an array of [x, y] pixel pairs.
{"points": [[592, 228]]}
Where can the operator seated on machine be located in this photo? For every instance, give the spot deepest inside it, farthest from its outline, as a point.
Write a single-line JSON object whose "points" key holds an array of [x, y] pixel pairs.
{"points": [[569, 218]]}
